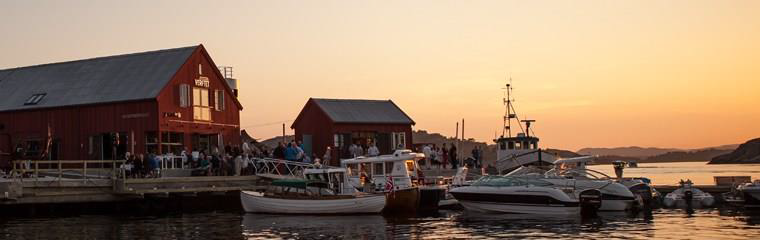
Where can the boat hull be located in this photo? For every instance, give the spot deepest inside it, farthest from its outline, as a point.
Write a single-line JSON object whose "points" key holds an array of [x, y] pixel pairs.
{"points": [[752, 198], [430, 198], [523, 200], [258, 203], [494, 207], [403, 201]]}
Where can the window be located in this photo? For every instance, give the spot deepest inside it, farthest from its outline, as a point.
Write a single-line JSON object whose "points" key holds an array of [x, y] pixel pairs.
{"points": [[201, 107], [399, 140], [377, 168], [184, 95], [338, 140], [388, 168], [35, 98], [219, 100]]}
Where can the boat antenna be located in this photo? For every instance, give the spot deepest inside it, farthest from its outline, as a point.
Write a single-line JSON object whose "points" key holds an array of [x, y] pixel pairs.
{"points": [[508, 115]]}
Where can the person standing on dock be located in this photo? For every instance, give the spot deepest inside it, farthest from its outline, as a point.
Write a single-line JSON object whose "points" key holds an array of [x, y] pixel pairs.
{"points": [[373, 151], [279, 151], [445, 155], [326, 157], [453, 157], [427, 151], [290, 152]]}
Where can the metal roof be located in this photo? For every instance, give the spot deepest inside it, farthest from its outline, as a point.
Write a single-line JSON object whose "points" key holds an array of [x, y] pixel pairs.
{"points": [[117, 78], [362, 111]]}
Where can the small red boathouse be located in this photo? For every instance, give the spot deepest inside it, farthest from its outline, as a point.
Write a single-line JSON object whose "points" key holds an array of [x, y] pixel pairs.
{"points": [[338, 123]]}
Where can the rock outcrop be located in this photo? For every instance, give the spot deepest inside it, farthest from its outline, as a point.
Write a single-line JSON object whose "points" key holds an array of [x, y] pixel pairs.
{"points": [[748, 152]]}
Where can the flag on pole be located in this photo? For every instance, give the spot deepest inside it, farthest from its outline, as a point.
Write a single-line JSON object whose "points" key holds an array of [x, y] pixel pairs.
{"points": [[389, 185]]}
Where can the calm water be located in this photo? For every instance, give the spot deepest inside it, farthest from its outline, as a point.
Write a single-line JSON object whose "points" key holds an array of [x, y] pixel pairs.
{"points": [[723, 223], [671, 173], [665, 224]]}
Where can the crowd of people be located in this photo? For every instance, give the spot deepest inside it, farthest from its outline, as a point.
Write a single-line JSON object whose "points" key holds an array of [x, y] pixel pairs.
{"points": [[229, 161], [446, 155]]}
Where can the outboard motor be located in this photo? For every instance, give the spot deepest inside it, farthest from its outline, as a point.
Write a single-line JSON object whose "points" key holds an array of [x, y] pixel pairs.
{"points": [[688, 196], [590, 201], [619, 166], [644, 191]]}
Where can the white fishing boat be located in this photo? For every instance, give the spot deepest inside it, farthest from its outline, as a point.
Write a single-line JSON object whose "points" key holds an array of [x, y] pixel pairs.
{"points": [[501, 194], [396, 174], [298, 196], [687, 196], [521, 148]]}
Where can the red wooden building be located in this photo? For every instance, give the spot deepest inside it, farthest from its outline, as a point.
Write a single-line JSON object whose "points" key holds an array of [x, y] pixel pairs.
{"points": [[159, 101], [338, 123]]}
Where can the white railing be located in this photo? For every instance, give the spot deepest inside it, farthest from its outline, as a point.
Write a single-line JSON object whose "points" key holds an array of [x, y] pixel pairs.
{"points": [[278, 168]]}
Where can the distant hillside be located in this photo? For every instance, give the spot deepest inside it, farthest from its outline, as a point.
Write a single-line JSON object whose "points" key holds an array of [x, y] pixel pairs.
{"points": [[638, 152], [644, 153], [699, 155], [272, 142], [748, 152]]}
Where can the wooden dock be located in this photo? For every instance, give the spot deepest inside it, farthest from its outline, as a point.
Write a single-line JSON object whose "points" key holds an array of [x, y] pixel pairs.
{"points": [[52, 191]]}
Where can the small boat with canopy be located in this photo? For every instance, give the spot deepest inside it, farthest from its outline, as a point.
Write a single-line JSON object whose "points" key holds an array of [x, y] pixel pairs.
{"points": [[300, 196]]}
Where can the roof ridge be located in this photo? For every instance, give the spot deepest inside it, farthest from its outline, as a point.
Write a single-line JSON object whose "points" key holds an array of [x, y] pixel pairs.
{"points": [[103, 57], [351, 99]]}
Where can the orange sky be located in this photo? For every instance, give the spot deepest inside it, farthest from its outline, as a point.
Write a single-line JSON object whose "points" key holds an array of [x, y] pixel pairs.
{"points": [[593, 73]]}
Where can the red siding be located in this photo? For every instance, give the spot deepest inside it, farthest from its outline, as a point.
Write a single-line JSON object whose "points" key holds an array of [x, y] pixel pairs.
{"points": [[226, 122], [313, 121], [73, 125]]}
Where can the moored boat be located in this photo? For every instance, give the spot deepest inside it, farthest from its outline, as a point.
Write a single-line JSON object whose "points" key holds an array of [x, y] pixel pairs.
{"points": [[297, 196], [572, 172], [523, 195], [398, 176], [687, 196]]}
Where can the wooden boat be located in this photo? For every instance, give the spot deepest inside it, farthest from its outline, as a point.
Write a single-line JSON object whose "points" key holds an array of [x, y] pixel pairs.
{"points": [[298, 196]]}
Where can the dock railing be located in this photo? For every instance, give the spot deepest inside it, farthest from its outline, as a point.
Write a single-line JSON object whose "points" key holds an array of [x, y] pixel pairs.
{"points": [[84, 170]]}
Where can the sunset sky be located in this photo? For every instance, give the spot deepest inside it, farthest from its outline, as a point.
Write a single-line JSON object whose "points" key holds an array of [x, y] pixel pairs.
{"points": [[592, 73]]}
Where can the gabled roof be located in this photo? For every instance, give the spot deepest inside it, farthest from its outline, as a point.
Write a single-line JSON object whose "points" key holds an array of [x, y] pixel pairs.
{"points": [[117, 78], [361, 111]]}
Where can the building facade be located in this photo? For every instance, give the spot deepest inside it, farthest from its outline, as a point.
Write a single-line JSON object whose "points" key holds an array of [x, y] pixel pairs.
{"points": [[100, 108], [338, 123]]}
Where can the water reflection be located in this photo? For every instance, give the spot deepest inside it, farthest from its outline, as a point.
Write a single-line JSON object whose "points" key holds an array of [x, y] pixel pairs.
{"points": [[264, 226], [721, 223]]}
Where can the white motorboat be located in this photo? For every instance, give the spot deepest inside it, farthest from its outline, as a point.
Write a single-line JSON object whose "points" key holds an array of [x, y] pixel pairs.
{"points": [[745, 195], [688, 196], [572, 172], [298, 196], [751, 194], [523, 195]]}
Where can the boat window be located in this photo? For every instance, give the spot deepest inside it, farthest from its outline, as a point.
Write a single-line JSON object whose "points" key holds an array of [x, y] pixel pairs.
{"points": [[511, 145], [353, 170], [518, 145], [410, 165], [501, 181], [389, 168], [377, 168], [535, 145], [503, 145]]}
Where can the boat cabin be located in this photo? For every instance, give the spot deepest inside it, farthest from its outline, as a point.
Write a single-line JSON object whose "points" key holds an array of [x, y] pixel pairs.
{"points": [[334, 177], [376, 172], [521, 150]]}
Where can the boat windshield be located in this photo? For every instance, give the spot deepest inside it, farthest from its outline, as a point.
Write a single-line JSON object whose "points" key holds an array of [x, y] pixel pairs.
{"points": [[503, 181]]}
